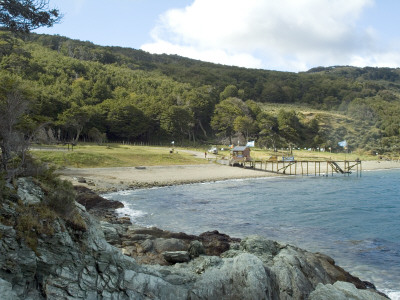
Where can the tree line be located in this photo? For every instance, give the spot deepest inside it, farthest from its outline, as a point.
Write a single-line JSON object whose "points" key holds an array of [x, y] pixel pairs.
{"points": [[76, 90]]}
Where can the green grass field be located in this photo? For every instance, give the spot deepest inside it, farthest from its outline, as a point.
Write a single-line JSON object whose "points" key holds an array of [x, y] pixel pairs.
{"points": [[94, 156]]}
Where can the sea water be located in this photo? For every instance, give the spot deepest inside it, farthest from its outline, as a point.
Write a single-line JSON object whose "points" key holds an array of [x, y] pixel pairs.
{"points": [[354, 219]]}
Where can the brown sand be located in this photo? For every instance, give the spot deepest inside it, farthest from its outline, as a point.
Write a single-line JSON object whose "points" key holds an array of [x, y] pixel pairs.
{"points": [[120, 178]]}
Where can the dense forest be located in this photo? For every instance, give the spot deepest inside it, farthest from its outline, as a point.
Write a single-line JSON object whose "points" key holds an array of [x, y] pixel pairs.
{"points": [[71, 91]]}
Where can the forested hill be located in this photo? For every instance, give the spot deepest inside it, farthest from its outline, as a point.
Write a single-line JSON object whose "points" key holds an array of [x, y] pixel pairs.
{"points": [[83, 91]]}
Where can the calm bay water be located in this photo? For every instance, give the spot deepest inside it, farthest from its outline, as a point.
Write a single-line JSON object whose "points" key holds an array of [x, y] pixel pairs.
{"points": [[356, 220]]}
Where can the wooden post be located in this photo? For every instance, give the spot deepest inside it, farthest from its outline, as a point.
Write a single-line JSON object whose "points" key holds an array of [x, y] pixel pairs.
{"points": [[307, 167]]}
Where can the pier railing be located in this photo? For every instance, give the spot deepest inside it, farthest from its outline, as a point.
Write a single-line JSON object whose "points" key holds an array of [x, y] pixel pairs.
{"points": [[296, 167]]}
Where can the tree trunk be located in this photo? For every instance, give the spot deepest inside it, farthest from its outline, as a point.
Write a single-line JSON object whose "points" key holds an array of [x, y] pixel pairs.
{"points": [[78, 133], [202, 128]]}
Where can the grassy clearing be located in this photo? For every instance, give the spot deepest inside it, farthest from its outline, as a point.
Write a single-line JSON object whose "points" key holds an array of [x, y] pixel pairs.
{"points": [[94, 156]]}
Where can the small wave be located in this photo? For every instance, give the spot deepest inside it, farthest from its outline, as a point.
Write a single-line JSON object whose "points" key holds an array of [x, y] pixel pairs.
{"points": [[392, 294], [133, 214], [116, 194]]}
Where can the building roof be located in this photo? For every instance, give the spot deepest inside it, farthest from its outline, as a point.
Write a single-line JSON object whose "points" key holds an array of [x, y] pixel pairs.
{"points": [[239, 148]]}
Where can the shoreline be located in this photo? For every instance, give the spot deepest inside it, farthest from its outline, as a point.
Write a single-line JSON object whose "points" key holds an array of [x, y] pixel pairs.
{"points": [[103, 180]]}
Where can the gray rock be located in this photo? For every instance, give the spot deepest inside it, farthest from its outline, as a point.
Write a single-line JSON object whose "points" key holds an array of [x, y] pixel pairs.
{"points": [[343, 291], [110, 233], [81, 180], [176, 256], [138, 237], [28, 191], [147, 245], [83, 265], [162, 245], [6, 291], [196, 249], [242, 277], [260, 246]]}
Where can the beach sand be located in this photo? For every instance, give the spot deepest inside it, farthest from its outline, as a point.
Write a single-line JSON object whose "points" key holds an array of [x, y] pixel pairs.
{"points": [[122, 178], [112, 179]]}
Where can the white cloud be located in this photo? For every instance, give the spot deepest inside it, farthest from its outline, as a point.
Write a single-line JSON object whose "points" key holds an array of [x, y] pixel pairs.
{"points": [[290, 35]]}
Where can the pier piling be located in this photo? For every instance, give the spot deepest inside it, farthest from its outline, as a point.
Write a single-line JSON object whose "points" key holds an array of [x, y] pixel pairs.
{"points": [[317, 167]]}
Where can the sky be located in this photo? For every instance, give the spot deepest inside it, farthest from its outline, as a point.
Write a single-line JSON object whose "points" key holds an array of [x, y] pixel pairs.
{"points": [[284, 35]]}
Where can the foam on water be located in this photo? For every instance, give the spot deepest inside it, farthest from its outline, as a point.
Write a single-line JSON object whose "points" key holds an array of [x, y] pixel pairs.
{"points": [[393, 295], [133, 214]]}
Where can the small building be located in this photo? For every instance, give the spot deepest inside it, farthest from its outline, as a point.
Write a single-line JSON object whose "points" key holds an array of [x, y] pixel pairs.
{"points": [[240, 154]]}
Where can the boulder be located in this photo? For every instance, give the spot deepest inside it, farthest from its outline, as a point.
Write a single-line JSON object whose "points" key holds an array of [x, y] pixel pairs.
{"points": [[196, 249], [260, 246], [162, 245], [110, 233], [176, 256], [147, 245], [242, 277], [81, 179], [216, 243]]}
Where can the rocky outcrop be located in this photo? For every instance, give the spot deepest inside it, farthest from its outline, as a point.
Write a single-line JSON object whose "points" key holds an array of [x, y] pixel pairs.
{"points": [[97, 205], [28, 191], [342, 291], [72, 264]]}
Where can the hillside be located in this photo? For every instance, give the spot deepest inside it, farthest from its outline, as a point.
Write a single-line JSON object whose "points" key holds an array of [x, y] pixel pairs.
{"points": [[81, 91]]}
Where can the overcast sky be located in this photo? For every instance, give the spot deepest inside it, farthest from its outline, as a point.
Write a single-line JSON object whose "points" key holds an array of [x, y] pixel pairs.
{"points": [[284, 35]]}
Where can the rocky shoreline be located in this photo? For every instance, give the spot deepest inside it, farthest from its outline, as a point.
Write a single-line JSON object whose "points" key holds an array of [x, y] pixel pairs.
{"points": [[114, 259], [154, 246]]}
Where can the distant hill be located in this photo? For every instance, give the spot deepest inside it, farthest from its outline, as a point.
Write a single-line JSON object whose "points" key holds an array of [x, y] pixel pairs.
{"points": [[90, 92]]}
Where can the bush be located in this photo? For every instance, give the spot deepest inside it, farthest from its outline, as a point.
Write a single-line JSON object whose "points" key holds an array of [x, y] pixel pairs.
{"points": [[60, 196], [33, 221], [3, 188]]}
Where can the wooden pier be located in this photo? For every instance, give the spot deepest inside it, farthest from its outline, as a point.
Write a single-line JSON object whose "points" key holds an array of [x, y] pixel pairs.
{"points": [[314, 168]]}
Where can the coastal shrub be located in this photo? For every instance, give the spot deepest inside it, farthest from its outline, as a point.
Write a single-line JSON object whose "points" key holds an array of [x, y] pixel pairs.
{"points": [[34, 221], [33, 167], [60, 196], [3, 188]]}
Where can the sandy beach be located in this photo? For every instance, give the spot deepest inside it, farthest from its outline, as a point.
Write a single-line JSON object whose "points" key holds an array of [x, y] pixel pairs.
{"points": [[121, 178]]}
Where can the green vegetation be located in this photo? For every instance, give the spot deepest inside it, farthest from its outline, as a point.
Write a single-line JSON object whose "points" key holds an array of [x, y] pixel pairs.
{"points": [[25, 15], [76, 91], [116, 156], [34, 221]]}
